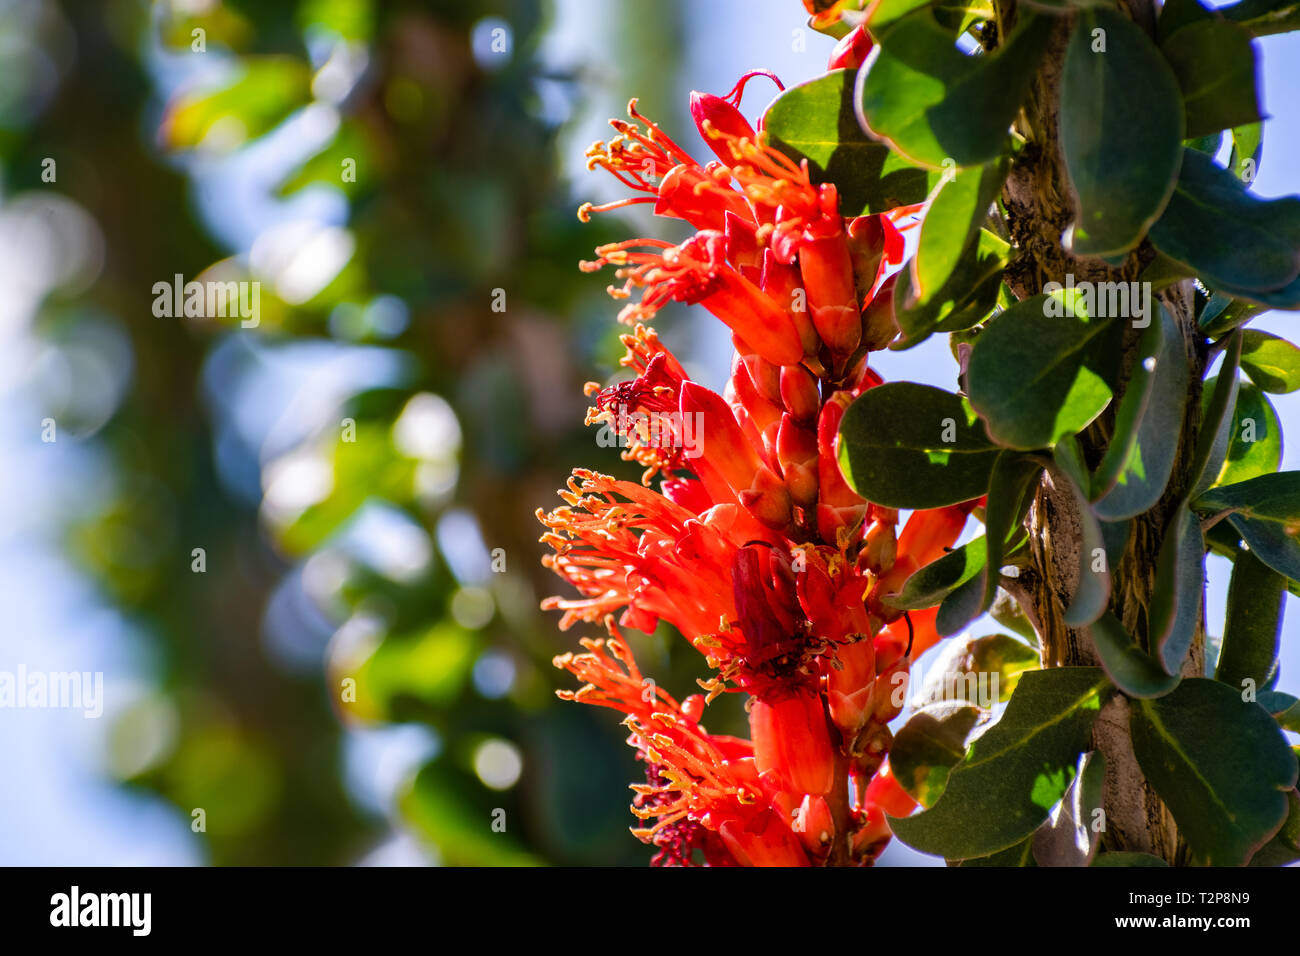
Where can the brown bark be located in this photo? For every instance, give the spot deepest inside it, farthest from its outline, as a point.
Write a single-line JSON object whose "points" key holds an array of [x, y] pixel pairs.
{"points": [[1038, 204]]}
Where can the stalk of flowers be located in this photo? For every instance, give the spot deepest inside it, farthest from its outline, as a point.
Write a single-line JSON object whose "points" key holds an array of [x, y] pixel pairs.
{"points": [[753, 546]]}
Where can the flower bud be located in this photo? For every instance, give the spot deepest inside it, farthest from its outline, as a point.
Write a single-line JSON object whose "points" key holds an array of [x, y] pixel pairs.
{"points": [[852, 50]]}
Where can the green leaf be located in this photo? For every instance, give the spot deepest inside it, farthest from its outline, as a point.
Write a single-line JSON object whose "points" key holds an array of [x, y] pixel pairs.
{"points": [[1272, 362], [929, 745], [905, 445], [1223, 313], [978, 670], [1216, 423], [1284, 848], [1175, 14], [1015, 772], [1043, 369], [1220, 764], [1270, 542], [1140, 457], [932, 583], [815, 121], [1175, 609], [963, 301], [1247, 151], [1214, 61], [1284, 707], [1255, 443], [1121, 129], [1130, 668], [960, 607], [1123, 858], [1254, 623], [952, 222], [932, 102], [1229, 238], [1272, 497], [1265, 17], [1021, 854], [1067, 838], [1013, 474], [1092, 586]]}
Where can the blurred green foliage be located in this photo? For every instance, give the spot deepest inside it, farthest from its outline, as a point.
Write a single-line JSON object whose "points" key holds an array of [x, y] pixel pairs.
{"points": [[443, 158]]}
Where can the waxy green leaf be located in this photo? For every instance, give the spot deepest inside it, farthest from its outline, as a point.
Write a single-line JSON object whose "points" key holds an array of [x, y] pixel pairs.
{"points": [[1229, 238], [1016, 771], [953, 217], [1043, 369], [1130, 668], [932, 102], [815, 121], [1175, 610], [1140, 457], [965, 300], [1121, 129], [1220, 764], [1254, 624], [1272, 362], [1214, 61], [904, 445]]}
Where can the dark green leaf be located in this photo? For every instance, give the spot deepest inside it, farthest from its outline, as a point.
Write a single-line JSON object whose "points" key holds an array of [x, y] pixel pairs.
{"points": [[1284, 848], [1214, 61], [905, 445], [1043, 369], [1216, 422], [815, 121], [1121, 128], [1265, 17], [1229, 238], [1175, 610], [1021, 854], [1175, 14], [1137, 463], [1284, 707], [1254, 623], [952, 221], [932, 102], [1092, 586], [964, 300], [928, 586], [1223, 313], [1220, 764], [1270, 542], [1130, 668], [1015, 772], [1272, 497]]}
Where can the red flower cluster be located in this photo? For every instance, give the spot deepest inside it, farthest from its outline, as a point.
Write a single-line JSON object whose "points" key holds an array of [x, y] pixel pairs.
{"points": [[754, 547]]}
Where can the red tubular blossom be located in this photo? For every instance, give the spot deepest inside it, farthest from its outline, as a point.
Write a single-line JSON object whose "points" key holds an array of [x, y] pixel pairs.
{"points": [[697, 272], [754, 547], [791, 737]]}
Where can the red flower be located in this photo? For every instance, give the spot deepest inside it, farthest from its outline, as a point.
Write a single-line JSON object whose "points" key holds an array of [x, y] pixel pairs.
{"points": [[754, 546]]}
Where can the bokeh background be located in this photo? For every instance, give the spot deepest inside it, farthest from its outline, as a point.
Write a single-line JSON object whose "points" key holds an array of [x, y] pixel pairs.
{"points": [[360, 470]]}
